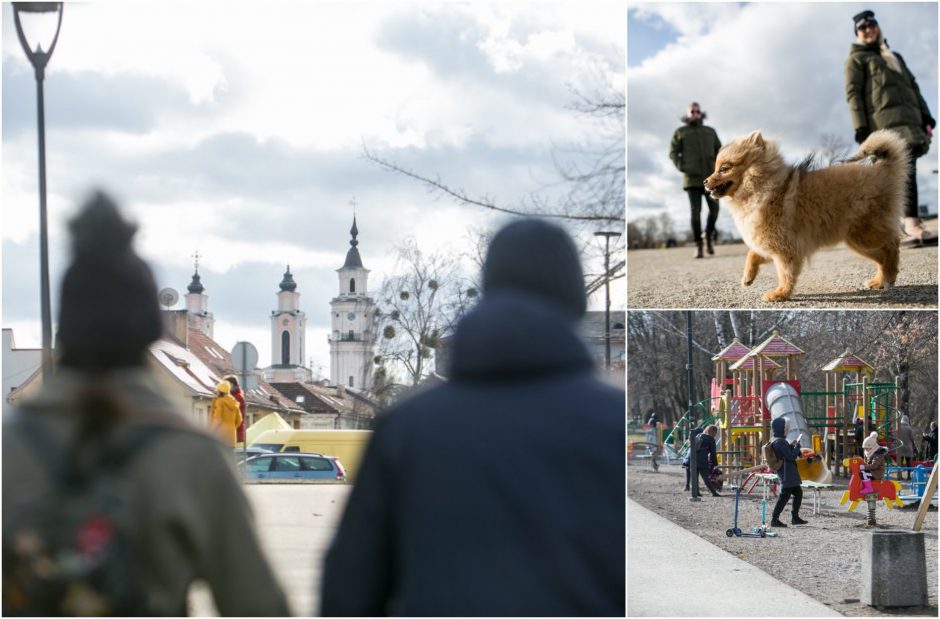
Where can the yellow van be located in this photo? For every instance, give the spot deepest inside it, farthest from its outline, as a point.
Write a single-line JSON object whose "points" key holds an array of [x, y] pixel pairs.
{"points": [[347, 445]]}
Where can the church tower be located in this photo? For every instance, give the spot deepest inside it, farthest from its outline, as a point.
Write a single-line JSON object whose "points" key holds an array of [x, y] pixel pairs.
{"points": [[197, 306], [352, 342], [288, 328]]}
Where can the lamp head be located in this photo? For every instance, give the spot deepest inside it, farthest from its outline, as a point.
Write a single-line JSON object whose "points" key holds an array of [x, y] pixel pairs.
{"points": [[38, 58]]}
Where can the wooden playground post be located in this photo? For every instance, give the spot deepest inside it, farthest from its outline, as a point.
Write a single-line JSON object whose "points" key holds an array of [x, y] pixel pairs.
{"points": [[926, 499]]}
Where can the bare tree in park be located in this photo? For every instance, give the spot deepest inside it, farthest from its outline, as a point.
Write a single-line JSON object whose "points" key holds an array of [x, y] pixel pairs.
{"points": [[419, 306]]}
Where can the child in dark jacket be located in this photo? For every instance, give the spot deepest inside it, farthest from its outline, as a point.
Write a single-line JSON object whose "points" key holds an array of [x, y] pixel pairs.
{"points": [[789, 476]]}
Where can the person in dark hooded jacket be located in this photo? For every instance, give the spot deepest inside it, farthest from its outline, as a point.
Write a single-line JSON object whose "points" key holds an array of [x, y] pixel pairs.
{"points": [[789, 476], [499, 492]]}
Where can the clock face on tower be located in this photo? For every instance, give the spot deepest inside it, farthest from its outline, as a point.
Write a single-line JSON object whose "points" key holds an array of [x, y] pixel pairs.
{"points": [[351, 316]]}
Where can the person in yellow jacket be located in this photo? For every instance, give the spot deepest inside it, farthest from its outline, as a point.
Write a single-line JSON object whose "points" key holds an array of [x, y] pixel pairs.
{"points": [[226, 415]]}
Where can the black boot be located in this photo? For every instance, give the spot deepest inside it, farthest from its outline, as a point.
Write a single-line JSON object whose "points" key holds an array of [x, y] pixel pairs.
{"points": [[776, 523], [708, 243], [698, 251], [797, 520]]}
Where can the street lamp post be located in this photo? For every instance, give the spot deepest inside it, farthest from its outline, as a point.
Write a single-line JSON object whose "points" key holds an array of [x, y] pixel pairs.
{"points": [[607, 236], [39, 58]]}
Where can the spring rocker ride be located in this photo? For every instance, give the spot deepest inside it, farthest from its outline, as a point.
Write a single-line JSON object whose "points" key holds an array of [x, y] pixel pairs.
{"points": [[869, 490]]}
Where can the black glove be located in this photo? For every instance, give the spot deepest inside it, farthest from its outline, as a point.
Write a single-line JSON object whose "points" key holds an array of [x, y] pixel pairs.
{"points": [[861, 134]]}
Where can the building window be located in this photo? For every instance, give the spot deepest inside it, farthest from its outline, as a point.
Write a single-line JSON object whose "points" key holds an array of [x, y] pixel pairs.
{"points": [[352, 336], [296, 427], [285, 348], [352, 284], [351, 382]]}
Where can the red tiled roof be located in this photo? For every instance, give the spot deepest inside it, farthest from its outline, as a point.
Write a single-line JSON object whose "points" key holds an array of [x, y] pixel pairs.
{"points": [[732, 352], [749, 362], [847, 362], [776, 346]]}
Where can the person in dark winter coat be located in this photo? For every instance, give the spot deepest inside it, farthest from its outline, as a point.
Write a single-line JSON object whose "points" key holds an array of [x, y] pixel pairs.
{"points": [[499, 492], [706, 458], [929, 444], [789, 475], [883, 94], [693, 150]]}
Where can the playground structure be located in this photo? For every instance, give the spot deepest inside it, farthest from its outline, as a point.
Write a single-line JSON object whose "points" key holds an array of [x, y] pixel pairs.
{"points": [[751, 387]]}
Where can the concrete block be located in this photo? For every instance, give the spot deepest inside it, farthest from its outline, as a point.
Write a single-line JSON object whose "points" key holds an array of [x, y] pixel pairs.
{"points": [[894, 569]]}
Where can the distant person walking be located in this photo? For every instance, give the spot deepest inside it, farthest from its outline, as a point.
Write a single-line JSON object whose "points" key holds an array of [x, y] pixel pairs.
{"points": [[226, 414], [500, 491], [706, 458], [652, 434], [929, 443], [789, 476], [239, 396], [883, 94], [693, 150], [905, 439], [113, 503]]}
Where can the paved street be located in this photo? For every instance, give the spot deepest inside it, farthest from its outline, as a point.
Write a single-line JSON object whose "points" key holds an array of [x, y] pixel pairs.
{"points": [[671, 278], [296, 524]]}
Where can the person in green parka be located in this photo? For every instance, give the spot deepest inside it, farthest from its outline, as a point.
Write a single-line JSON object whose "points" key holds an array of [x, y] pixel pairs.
{"points": [[883, 94], [693, 150]]}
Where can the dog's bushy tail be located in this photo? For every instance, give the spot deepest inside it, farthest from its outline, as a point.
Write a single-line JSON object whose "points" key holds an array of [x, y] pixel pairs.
{"points": [[884, 147], [888, 152]]}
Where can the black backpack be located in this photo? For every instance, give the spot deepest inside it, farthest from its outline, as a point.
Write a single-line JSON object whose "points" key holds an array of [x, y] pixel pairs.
{"points": [[68, 551]]}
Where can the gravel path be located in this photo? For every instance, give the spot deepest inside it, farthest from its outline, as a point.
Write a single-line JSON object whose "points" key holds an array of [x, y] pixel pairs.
{"points": [[671, 278], [821, 559]]}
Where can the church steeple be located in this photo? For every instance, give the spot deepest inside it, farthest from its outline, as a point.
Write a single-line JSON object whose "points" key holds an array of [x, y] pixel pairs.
{"points": [[352, 316], [288, 282], [353, 259], [197, 303], [196, 286]]}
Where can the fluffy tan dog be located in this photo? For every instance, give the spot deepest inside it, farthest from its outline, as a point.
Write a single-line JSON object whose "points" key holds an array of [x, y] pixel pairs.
{"points": [[786, 213]]}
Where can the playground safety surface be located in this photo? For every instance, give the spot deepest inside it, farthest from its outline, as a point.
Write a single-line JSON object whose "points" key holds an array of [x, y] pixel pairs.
{"points": [[822, 559]]}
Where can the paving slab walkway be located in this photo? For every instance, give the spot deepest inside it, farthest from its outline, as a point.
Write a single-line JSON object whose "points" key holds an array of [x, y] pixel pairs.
{"points": [[674, 573]]}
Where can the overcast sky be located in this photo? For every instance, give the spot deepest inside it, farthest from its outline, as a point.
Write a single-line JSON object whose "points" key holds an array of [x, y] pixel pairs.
{"points": [[776, 67], [237, 130]]}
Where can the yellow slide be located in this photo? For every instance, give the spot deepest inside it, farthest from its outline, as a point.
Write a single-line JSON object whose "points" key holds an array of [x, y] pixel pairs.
{"points": [[812, 467]]}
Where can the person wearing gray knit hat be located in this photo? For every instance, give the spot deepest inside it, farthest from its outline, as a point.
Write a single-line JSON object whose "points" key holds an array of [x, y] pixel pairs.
{"points": [[114, 503], [109, 310]]}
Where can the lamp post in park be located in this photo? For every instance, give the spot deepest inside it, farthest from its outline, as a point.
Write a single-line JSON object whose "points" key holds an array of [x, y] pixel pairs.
{"points": [[39, 58], [607, 236]]}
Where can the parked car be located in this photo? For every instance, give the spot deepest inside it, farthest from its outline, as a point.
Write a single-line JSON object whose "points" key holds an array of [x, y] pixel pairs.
{"points": [[294, 467], [252, 452]]}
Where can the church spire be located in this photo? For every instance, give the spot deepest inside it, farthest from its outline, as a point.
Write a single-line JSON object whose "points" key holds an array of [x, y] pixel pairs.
{"points": [[288, 282], [196, 286], [353, 260]]}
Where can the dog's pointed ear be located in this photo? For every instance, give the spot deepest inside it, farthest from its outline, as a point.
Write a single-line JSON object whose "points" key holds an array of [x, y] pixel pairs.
{"points": [[756, 139]]}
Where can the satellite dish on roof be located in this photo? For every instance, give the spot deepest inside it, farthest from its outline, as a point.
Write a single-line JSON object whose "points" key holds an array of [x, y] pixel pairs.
{"points": [[168, 297]]}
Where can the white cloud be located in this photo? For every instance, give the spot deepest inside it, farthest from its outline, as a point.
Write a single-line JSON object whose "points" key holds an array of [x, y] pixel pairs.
{"points": [[237, 130]]}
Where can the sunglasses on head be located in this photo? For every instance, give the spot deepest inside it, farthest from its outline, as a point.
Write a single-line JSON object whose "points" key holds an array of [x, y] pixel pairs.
{"points": [[869, 25]]}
